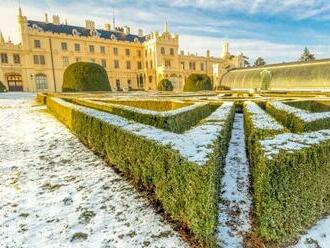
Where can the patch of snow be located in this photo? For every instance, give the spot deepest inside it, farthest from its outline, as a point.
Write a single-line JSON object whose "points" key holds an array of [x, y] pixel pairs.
{"points": [[195, 144], [292, 142], [235, 198], [56, 193], [317, 237], [261, 119], [304, 115]]}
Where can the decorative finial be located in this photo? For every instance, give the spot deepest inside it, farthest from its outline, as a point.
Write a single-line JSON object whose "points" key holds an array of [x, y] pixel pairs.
{"points": [[9, 40], [2, 40]]}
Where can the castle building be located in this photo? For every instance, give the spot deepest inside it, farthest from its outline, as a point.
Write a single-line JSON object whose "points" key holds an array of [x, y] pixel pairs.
{"points": [[131, 61]]}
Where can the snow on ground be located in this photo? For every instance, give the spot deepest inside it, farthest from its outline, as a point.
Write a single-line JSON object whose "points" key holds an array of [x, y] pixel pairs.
{"points": [[57, 193], [317, 237], [236, 200]]}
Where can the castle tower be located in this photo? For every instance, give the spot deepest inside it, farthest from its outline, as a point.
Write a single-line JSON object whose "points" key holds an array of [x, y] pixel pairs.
{"points": [[225, 50]]}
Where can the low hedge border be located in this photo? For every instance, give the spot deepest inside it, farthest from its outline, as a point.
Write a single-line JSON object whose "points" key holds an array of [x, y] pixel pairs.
{"points": [[291, 184], [187, 187], [298, 120], [311, 106], [177, 121]]}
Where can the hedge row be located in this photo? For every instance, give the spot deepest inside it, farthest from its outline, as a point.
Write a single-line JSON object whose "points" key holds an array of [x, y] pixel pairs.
{"points": [[291, 189], [187, 191], [312, 106], [298, 120], [175, 121]]}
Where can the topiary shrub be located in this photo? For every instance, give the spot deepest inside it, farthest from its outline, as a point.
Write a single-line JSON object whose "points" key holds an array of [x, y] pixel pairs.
{"points": [[165, 85], [197, 82], [2, 87], [84, 76]]}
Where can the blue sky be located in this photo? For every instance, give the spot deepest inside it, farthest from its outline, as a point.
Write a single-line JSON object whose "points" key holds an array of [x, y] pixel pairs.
{"points": [[275, 29]]}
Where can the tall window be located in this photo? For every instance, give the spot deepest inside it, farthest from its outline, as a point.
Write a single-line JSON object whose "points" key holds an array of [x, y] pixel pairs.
{"points": [[147, 64], [202, 66], [37, 44], [91, 48], [129, 84], [167, 63], [117, 84], [116, 64], [104, 63], [115, 51], [102, 49], [162, 50], [139, 65], [17, 59], [127, 52], [41, 82], [65, 61], [172, 51], [64, 46], [150, 64], [4, 58], [150, 79], [128, 65], [182, 65], [39, 59], [77, 47], [139, 53]]}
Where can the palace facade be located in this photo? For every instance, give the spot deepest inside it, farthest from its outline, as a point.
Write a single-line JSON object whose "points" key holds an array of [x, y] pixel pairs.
{"points": [[131, 61]]}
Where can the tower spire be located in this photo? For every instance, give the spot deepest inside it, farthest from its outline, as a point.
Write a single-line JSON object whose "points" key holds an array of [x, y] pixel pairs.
{"points": [[165, 26], [113, 19], [19, 9]]}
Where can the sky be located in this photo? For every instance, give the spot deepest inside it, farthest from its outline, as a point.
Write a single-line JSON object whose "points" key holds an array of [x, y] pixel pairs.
{"points": [[277, 30]]}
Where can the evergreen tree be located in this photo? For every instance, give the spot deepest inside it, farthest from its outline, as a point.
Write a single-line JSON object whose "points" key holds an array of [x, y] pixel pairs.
{"points": [[259, 62], [307, 55]]}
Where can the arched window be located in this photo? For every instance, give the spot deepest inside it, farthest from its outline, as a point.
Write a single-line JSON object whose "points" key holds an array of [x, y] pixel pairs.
{"points": [[41, 82], [162, 50]]}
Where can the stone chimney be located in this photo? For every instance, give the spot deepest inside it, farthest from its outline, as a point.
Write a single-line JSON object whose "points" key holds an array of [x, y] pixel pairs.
{"points": [[56, 20], [107, 27], [127, 30], [140, 32], [90, 24]]}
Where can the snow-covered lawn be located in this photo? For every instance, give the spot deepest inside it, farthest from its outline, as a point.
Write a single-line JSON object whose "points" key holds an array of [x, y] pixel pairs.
{"points": [[57, 193], [236, 202]]}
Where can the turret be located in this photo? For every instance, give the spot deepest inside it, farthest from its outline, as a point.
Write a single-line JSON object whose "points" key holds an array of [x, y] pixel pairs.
{"points": [[225, 50]]}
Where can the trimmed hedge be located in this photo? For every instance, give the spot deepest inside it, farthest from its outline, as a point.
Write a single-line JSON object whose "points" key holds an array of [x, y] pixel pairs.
{"points": [[165, 85], [2, 87], [312, 106], [294, 123], [189, 193], [291, 191], [198, 82], [178, 123], [84, 76]]}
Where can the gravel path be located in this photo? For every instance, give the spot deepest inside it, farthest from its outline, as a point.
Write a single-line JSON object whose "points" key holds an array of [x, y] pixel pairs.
{"points": [[57, 193]]}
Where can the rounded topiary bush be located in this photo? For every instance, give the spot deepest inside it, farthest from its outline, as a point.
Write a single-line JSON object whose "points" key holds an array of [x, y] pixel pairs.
{"points": [[2, 87], [165, 85], [84, 76], [197, 82]]}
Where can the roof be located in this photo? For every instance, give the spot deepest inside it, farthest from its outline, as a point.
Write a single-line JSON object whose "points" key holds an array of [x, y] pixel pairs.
{"points": [[69, 30]]}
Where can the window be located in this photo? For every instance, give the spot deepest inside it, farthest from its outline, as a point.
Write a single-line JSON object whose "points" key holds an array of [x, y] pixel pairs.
{"points": [[116, 64], [129, 84], [4, 58], [115, 51], [162, 50], [202, 66], [41, 82], [65, 61], [17, 59], [182, 65], [37, 44], [39, 59], [117, 84], [147, 64], [145, 53], [139, 53], [167, 63], [192, 66], [172, 51], [91, 48], [150, 51], [150, 64], [127, 52], [128, 65], [64, 46], [102, 49], [77, 47], [104, 63], [150, 79], [139, 65]]}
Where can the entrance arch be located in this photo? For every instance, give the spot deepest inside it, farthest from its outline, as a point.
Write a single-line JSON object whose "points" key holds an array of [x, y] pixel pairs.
{"points": [[15, 82]]}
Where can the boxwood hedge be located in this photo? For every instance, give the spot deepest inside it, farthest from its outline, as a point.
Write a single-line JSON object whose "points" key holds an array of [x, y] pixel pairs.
{"points": [[177, 122], [188, 192]]}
